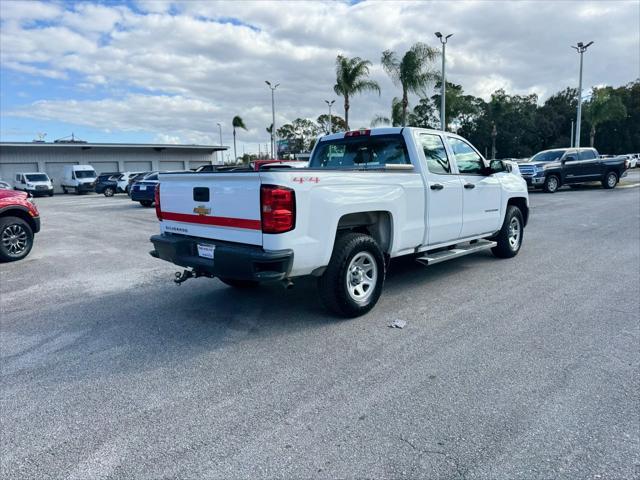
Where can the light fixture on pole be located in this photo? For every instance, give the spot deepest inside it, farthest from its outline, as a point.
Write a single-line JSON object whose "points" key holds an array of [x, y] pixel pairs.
{"points": [[273, 115], [220, 131], [330, 104], [580, 48], [443, 41]]}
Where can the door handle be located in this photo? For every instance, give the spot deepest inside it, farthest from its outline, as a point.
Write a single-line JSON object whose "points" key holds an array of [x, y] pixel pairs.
{"points": [[469, 185], [436, 186]]}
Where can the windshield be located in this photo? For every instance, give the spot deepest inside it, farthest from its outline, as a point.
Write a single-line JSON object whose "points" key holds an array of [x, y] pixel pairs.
{"points": [[548, 156], [37, 177], [85, 174], [360, 152]]}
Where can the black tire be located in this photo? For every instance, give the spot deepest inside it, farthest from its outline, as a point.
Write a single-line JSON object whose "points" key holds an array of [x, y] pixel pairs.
{"points": [[506, 247], [51, 194], [146, 203], [109, 192], [64, 190], [610, 180], [551, 184], [334, 285], [78, 192], [232, 282], [10, 228]]}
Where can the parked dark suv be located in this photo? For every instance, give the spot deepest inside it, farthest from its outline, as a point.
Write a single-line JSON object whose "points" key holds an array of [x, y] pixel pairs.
{"points": [[107, 184], [550, 169]]}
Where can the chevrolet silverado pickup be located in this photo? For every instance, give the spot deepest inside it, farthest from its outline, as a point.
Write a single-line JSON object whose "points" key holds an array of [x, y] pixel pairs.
{"points": [[550, 169], [366, 197]]}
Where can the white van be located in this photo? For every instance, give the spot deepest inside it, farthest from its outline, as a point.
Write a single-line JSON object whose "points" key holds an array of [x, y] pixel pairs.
{"points": [[36, 183], [79, 178]]}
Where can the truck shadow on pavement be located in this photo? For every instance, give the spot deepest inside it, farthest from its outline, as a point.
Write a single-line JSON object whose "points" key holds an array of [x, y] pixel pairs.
{"points": [[159, 326]]}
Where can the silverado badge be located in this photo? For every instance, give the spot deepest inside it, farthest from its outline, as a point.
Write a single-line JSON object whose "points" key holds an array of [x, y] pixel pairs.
{"points": [[201, 210]]}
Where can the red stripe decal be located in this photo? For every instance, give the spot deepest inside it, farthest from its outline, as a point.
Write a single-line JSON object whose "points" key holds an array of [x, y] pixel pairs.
{"points": [[216, 221]]}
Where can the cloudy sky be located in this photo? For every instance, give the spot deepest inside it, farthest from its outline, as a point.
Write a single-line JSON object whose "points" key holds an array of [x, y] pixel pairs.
{"points": [[162, 71]]}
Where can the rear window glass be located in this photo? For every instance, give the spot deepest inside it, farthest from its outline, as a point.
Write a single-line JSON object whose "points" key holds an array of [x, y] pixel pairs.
{"points": [[364, 152]]}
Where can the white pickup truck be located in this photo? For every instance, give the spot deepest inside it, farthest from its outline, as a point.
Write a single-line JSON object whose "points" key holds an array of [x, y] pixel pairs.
{"points": [[366, 197]]}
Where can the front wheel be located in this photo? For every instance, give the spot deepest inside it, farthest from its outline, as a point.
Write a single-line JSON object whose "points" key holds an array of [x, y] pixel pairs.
{"points": [[109, 192], [352, 283], [146, 203], [16, 239], [64, 190], [551, 184], [509, 239], [610, 180]]}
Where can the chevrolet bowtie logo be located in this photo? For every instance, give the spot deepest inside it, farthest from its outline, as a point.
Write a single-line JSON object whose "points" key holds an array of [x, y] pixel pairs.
{"points": [[202, 210]]}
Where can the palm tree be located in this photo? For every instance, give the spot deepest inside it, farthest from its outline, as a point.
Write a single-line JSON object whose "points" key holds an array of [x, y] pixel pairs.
{"points": [[396, 115], [603, 107], [413, 72], [237, 122], [351, 79]]}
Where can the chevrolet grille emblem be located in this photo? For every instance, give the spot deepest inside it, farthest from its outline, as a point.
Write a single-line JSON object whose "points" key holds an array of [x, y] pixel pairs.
{"points": [[202, 210]]}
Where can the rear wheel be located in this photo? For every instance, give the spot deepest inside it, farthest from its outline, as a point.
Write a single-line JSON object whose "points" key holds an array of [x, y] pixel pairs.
{"points": [[232, 282], [109, 192], [352, 283], [551, 184], [146, 203], [16, 239], [610, 180], [509, 239]]}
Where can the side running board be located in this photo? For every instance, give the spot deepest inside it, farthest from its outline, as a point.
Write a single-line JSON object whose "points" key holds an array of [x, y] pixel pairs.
{"points": [[430, 258]]}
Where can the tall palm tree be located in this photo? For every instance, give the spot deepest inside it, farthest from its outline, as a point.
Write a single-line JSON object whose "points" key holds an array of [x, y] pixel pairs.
{"points": [[351, 79], [412, 72], [237, 122], [396, 115], [603, 107]]}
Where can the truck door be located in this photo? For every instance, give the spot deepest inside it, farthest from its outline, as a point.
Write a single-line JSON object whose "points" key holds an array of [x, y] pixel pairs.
{"points": [[571, 169], [443, 210], [589, 164], [481, 195]]}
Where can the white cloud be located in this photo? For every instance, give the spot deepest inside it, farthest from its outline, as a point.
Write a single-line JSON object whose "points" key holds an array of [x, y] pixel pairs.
{"points": [[204, 62]]}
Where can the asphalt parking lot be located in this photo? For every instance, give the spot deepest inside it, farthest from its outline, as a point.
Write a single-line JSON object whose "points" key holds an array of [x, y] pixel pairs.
{"points": [[524, 368]]}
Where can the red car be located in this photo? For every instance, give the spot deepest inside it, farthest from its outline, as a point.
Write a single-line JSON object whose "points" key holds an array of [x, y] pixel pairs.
{"points": [[19, 221]]}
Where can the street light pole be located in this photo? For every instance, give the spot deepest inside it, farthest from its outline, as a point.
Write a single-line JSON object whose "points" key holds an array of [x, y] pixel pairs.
{"points": [[580, 48], [330, 103], [220, 131], [443, 41], [273, 115]]}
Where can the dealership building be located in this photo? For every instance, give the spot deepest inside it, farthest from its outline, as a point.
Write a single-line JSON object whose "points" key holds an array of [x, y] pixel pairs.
{"points": [[51, 158]]}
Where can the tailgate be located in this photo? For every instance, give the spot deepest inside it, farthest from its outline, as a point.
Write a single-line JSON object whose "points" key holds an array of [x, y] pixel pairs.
{"points": [[217, 206]]}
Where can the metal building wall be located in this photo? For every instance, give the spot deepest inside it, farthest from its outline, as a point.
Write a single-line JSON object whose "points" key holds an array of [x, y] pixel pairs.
{"points": [[14, 159]]}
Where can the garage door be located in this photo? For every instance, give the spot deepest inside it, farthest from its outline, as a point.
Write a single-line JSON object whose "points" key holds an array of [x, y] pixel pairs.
{"points": [[168, 166], [55, 172], [137, 166], [8, 170], [105, 167]]}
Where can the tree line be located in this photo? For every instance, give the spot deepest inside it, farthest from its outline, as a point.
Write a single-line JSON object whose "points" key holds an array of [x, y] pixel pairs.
{"points": [[522, 126]]}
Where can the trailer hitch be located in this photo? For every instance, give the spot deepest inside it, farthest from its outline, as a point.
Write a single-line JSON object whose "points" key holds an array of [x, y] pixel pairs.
{"points": [[182, 277]]}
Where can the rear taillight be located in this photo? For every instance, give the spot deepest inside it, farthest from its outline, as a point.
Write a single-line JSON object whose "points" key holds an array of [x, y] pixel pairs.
{"points": [[156, 199], [278, 207], [358, 133]]}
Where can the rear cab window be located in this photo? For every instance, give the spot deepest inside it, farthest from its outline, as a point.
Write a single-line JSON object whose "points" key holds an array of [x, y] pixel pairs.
{"points": [[360, 152]]}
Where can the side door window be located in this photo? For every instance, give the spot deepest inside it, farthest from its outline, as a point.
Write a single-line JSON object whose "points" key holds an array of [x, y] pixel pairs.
{"points": [[435, 154], [468, 160]]}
